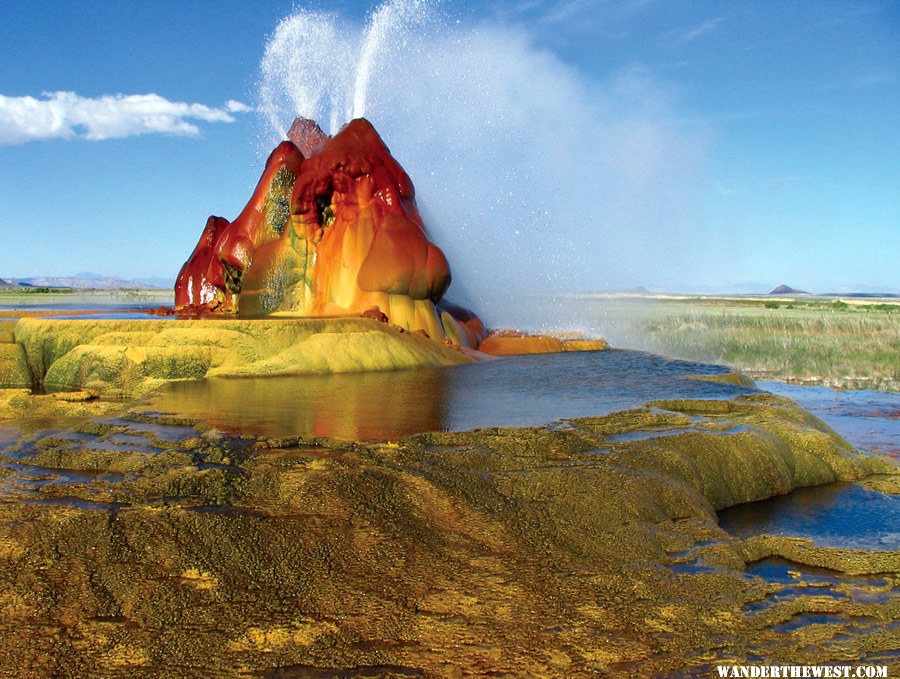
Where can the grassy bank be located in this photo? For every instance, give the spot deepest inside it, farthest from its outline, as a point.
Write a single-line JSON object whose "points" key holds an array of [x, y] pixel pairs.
{"points": [[24, 297], [836, 343]]}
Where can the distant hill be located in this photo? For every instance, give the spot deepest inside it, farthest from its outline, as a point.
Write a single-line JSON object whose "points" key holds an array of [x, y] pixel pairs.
{"points": [[86, 282], [787, 290]]}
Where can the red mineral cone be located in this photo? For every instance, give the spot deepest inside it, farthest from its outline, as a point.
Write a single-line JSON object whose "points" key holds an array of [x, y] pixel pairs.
{"points": [[331, 229], [307, 136]]}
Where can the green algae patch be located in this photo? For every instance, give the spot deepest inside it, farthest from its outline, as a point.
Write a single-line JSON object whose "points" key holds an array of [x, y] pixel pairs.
{"points": [[731, 451], [887, 483], [23, 405], [736, 377], [765, 446], [6, 332], [14, 371], [126, 358]]}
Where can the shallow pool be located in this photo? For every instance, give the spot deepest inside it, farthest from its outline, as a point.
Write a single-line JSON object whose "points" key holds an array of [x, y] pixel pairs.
{"points": [[844, 515], [510, 392]]}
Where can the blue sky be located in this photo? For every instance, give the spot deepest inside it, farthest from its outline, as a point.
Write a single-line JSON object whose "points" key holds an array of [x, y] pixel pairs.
{"points": [[680, 145]]}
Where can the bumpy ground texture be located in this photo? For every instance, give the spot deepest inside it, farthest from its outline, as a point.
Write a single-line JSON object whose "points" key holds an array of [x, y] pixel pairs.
{"points": [[124, 358], [135, 545]]}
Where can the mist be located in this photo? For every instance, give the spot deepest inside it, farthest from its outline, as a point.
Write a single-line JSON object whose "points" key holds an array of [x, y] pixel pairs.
{"points": [[533, 177]]}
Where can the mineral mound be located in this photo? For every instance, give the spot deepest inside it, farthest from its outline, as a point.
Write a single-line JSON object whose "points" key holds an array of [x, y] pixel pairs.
{"points": [[332, 229]]}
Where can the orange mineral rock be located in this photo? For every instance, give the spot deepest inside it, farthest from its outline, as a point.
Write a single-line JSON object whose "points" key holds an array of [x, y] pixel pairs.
{"points": [[332, 229]]}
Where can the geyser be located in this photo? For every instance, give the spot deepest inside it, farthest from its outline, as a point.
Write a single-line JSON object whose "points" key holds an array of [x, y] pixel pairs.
{"points": [[534, 177], [318, 69], [332, 229]]}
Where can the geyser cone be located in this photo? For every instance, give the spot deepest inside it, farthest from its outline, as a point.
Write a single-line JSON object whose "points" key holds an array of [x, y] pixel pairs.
{"points": [[307, 136], [331, 229]]}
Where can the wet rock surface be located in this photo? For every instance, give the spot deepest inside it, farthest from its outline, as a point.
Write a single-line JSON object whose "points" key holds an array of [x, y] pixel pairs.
{"points": [[138, 544]]}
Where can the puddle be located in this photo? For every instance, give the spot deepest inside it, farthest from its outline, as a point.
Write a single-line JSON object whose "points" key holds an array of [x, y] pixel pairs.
{"points": [[118, 439], [36, 477], [684, 553], [792, 593], [160, 432], [782, 571], [74, 441], [102, 445], [693, 567], [843, 515], [807, 619], [807, 581], [9, 436], [863, 596]]}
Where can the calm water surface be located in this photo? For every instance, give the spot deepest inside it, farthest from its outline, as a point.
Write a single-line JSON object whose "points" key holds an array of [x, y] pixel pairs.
{"points": [[509, 392], [843, 515]]}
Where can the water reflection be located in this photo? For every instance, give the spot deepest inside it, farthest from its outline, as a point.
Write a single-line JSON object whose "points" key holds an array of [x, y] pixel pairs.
{"points": [[359, 406], [517, 391]]}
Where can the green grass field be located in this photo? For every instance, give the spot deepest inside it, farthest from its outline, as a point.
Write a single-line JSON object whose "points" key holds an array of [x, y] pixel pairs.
{"points": [[849, 344], [22, 297]]}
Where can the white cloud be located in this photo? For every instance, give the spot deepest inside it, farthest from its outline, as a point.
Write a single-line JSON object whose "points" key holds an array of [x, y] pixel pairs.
{"points": [[66, 115], [699, 30], [233, 106]]}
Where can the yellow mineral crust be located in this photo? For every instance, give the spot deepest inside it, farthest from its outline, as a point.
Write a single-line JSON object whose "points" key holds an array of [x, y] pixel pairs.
{"points": [[110, 357]]}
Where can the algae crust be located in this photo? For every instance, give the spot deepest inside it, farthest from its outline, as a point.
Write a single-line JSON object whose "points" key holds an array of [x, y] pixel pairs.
{"points": [[171, 550], [14, 372], [128, 358]]}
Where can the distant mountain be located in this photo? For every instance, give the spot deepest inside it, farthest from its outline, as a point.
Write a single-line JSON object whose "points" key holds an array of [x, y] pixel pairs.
{"points": [[87, 281], [6, 284], [787, 290]]}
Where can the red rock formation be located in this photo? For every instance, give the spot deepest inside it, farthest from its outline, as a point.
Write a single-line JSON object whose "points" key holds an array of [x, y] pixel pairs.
{"points": [[307, 136], [331, 229]]}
